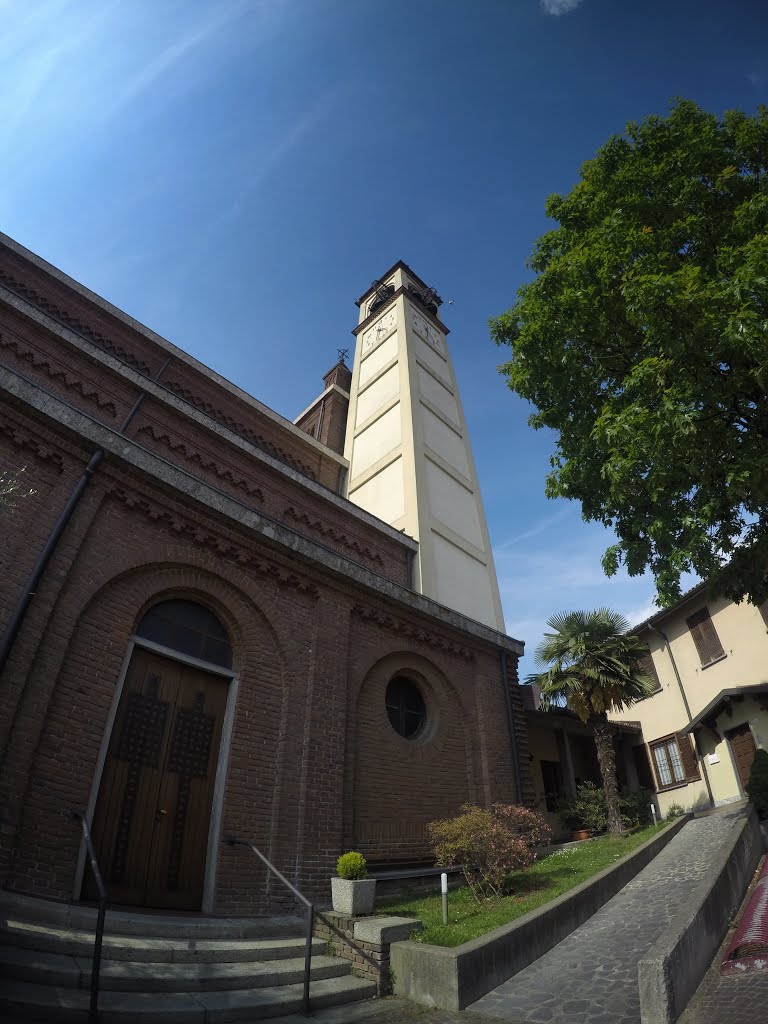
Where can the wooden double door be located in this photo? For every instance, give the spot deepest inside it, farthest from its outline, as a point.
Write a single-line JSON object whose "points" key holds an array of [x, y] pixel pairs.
{"points": [[153, 812]]}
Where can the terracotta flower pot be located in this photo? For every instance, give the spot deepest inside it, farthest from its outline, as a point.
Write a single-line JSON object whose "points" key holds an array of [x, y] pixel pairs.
{"points": [[579, 833]]}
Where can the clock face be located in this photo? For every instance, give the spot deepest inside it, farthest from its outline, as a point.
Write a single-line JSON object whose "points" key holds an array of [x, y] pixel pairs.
{"points": [[380, 330], [426, 330]]}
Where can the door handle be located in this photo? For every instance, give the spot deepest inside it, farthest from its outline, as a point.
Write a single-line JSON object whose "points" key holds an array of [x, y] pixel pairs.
{"points": [[161, 810]]}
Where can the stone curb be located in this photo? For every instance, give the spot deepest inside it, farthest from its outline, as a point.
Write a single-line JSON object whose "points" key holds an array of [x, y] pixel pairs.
{"points": [[453, 977], [671, 971]]}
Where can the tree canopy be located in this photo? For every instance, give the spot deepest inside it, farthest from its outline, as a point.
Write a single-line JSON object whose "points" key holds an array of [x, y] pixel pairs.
{"points": [[643, 342]]}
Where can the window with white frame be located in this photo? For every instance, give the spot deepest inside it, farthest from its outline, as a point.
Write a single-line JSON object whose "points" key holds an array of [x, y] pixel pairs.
{"points": [[668, 762]]}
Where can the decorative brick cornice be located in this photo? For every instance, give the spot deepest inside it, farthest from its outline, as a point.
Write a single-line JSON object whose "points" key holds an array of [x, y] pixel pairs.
{"points": [[27, 354], [224, 473], [239, 428], [219, 544], [38, 300], [28, 442], [407, 629], [330, 532]]}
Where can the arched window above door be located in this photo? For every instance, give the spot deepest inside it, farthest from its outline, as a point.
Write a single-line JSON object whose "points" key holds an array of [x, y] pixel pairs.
{"points": [[189, 628]]}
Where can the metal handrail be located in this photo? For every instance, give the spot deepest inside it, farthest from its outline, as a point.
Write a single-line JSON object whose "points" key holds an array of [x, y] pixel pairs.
{"points": [[234, 841], [93, 1013]]}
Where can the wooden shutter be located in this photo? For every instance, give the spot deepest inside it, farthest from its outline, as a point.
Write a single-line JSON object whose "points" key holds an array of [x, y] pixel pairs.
{"points": [[764, 611], [688, 757], [648, 666], [705, 637]]}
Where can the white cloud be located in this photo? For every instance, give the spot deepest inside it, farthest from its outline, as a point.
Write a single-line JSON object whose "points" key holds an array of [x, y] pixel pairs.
{"points": [[755, 78], [558, 7], [165, 60]]}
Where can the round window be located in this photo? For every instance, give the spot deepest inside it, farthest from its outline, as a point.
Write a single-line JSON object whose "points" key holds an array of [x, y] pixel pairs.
{"points": [[405, 708]]}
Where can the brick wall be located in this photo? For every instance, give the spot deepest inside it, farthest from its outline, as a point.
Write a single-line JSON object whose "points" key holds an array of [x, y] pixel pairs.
{"points": [[369, 960], [314, 766], [105, 396]]}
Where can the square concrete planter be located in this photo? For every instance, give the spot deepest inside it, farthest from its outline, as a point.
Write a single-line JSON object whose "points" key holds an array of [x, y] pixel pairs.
{"points": [[353, 896]]}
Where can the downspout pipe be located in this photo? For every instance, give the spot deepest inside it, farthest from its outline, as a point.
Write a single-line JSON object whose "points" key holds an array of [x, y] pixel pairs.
{"points": [[16, 620], [681, 688], [511, 724]]}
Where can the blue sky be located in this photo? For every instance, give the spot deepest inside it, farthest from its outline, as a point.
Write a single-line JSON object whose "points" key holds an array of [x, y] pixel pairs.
{"points": [[234, 173]]}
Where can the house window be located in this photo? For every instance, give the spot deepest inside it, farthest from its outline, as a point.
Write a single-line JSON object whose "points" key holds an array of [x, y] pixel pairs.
{"points": [[674, 761], [669, 764], [705, 637], [405, 708]]}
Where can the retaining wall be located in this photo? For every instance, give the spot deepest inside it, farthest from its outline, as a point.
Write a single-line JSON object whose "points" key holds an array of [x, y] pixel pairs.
{"points": [[674, 966], [452, 978]]}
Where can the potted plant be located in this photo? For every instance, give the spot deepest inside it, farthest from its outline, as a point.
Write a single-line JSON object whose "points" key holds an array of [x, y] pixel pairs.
{"points": [[352, 892], [573, 820], [586, 813]]}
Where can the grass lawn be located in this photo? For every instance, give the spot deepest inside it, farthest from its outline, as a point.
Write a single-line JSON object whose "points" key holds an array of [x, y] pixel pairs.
{"points": [[543, 881]]}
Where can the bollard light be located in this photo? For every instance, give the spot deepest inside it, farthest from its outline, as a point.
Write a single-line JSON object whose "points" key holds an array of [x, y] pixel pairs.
{"points": [[444, 893], [653, 812]]}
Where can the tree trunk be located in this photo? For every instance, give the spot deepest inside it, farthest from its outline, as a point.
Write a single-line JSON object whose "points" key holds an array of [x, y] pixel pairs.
{"points": [[606, 758]]}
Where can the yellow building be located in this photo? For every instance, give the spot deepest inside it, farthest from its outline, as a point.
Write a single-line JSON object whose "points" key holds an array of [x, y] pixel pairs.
{"points": [[702, 725]]}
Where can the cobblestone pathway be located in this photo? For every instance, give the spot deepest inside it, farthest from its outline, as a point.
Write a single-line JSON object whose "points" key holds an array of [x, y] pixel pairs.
{"points": [[591, 976]]}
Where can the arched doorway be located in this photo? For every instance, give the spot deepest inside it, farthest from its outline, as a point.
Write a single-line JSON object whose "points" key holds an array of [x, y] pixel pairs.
{"points": [[152, 818]]}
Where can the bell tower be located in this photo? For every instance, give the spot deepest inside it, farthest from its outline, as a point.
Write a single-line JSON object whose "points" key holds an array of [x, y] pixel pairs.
{"points": [[410, 459]]}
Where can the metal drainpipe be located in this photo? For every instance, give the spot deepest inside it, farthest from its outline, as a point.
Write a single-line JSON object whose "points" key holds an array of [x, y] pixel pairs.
{"points": [[680, 686], [511, 724], [14, 624]]}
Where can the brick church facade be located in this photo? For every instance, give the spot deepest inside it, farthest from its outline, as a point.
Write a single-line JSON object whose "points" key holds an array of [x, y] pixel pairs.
{"points": [[203, 638]]}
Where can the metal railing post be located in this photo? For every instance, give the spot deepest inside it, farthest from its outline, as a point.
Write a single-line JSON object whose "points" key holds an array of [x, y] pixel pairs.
{"points": [[235, 841], [93, 1013]]}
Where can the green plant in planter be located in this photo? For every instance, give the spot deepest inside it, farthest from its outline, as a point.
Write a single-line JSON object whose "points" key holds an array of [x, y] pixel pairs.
{"points": [[352, 866], [757, 787], [587, 810], [635, 806]]}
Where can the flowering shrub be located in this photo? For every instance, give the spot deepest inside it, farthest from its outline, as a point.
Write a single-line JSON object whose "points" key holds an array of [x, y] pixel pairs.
{"points": [[488, 845]]}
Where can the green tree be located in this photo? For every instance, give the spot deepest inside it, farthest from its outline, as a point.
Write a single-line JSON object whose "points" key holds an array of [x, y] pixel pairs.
{"points": [[643, 342], [594, 666]]}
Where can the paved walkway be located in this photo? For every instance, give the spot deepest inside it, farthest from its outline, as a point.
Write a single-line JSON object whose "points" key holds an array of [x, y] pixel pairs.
{"points": [[731, 998], [591, 976]]}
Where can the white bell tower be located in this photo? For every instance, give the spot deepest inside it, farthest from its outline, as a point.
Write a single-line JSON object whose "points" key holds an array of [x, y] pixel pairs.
{"points": [[410, 459]]}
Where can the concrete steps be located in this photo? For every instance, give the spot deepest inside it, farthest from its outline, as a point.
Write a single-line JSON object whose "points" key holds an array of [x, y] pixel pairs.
{"points": [[156, 968], [35, 935], [28, 1001]]}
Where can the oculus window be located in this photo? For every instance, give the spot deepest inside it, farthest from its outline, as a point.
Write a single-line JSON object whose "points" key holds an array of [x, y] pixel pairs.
{"points": [[405, 707]]}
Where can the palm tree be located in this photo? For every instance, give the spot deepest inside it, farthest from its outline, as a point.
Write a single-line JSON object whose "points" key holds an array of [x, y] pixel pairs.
{"points": [[593, 666]]}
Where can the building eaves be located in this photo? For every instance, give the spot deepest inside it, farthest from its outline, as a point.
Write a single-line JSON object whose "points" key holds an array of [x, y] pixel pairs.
{"points": [[167, 346], [662, 613], [721, 698], [273, 533]]}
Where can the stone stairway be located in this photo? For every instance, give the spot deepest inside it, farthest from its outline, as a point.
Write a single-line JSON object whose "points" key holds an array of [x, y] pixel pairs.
{"points": [[156, 968]]}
